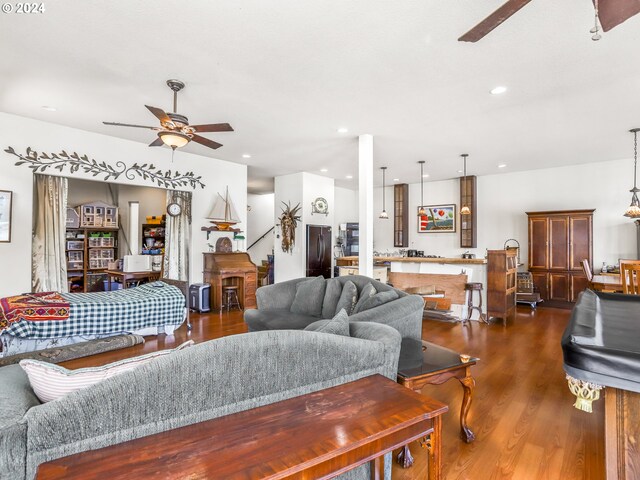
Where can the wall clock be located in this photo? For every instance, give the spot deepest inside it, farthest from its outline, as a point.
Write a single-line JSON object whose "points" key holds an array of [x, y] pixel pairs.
{"points": [[174, 209], [320, 205]]}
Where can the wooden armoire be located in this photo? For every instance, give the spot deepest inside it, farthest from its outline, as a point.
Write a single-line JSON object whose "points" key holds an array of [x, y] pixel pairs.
{"points": [[558, 241]]}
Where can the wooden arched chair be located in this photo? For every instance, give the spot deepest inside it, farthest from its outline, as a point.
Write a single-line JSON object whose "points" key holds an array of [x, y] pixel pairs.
{"points": [[586, 268], [630, 276]]}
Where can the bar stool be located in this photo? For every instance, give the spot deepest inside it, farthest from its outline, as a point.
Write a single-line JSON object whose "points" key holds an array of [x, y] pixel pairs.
{"points": [[230, 298], [470, 288]]}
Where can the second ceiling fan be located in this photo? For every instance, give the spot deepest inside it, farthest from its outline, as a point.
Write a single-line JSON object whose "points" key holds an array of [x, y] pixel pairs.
{"points": [[174, 130], [610, 13]]}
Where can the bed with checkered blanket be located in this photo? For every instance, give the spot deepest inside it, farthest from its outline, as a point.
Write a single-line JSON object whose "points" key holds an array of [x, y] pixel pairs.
{"points": [[146, 309]]}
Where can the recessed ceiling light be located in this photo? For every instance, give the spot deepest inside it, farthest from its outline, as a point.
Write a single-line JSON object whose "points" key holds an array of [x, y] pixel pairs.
{"points": [[459, 171], [396, 179], [498, 90], [426, 175], [246, 155], [349, 177], [502, 165], [324, 170], [49, 109], [343, 130]]}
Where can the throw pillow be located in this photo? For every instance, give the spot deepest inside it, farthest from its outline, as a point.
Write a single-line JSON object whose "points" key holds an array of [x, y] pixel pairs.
{"points": [[367, 292], [309, 297], [338, 325], [50, 381], [378, 299], [348, 297], [331, 297]]}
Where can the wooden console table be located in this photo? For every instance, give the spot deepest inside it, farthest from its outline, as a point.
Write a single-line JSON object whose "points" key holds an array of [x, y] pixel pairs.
{"points": [[318, 435]]}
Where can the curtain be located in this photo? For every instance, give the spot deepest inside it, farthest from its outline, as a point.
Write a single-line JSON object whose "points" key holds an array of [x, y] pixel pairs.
{"points": [[178, 237], [49, 266]]}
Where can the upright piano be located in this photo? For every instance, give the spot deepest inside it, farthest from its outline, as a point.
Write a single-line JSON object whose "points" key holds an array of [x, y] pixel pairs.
{"points": [[601, 348], [237, 269]]}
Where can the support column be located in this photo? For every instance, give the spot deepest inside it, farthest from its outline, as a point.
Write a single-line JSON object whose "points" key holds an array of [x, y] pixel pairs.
{"points": [[365, 211]]}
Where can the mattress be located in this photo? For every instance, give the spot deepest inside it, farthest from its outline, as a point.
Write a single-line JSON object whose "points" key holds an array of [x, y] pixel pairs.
{"points": [[601, 343]]}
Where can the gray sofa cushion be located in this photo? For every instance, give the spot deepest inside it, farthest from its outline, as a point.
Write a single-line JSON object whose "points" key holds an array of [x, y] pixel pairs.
{"points": [[348, 297], [367, 292], [331, 296], [338, 325], [309, 297], [16, 398], [276, 319], [376, 300]]}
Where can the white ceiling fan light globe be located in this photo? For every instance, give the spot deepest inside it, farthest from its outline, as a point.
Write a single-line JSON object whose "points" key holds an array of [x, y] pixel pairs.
{"points": [[174, 139]]}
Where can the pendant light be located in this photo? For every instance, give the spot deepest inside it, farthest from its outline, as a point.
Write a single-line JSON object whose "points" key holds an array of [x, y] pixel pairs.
{"points": [[421, 210], [634, 209], [383, 214], [464, 209]]}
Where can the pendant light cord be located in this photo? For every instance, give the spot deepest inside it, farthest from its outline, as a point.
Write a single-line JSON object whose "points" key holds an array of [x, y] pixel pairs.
{"points": [[421, 184], [384, 208], [635, 158]]}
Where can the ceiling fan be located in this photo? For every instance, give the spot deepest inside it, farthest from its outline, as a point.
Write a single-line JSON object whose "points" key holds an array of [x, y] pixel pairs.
{"points": [[174, 130], [610, 13]]}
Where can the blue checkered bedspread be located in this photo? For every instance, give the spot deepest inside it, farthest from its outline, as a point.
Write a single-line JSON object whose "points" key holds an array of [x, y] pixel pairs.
{"points": [[149, 305]]}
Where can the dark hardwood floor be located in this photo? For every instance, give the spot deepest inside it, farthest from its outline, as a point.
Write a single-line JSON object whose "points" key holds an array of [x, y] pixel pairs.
{"points": [[522, 413]]}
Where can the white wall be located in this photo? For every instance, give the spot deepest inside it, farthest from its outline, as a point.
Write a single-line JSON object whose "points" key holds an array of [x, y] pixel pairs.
{"points": [[301, 188], [346, 207], [20, 133], [259, 220], [503, 200]]}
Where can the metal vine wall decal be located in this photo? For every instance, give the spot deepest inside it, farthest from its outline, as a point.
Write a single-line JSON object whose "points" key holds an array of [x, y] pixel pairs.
{"points": [[40, 162]]}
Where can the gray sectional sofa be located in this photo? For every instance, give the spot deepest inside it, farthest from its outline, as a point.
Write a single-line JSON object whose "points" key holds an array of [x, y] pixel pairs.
{"points": [[275, 307], [208, 380]]}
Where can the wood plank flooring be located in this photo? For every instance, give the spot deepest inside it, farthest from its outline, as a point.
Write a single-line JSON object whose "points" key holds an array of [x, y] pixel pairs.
{"points": [[526, 427]]}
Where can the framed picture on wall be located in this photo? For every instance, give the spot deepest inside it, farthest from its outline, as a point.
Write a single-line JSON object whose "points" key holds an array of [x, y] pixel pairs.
{"points": [[437, 219], [5, 215]]}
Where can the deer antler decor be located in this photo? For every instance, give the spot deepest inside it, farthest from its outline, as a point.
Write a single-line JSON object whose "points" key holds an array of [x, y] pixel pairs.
{"points": [[288, 223]]}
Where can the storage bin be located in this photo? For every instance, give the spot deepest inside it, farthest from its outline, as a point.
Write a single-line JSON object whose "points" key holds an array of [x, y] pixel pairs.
{"points": [[75, 245], [114, 286]]}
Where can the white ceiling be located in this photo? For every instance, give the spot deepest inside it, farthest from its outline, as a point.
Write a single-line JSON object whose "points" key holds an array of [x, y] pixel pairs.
{"points": [[287, 74]]}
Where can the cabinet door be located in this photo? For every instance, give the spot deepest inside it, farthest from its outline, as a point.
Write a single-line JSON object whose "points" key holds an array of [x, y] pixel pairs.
{"points": [[559, 243], [538, 243], [580, 241], [578, 284], [540, 281], [559, 286]]}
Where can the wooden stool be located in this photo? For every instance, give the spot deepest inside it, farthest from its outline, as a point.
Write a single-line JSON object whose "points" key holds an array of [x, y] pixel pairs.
{"points": [[230, 298], [470, 288]]}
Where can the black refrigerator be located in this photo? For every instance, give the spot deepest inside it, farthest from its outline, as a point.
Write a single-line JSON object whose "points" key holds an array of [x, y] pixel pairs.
{"points": [[318, 251]]}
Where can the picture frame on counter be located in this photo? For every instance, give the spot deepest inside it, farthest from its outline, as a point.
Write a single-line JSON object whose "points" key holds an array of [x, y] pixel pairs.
{"points": [[5, 215], [438, 219]]}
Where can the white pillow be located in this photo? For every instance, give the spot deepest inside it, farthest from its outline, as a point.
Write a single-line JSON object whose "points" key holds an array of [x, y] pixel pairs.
{"points": [[50, 381]]}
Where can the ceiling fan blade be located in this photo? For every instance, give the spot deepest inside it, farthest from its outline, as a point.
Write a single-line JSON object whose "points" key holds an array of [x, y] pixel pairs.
{"points": [[130, 125], [494, 20], [206, 142], [157, 143], [162, 116], [213, 127], [613, 12]]}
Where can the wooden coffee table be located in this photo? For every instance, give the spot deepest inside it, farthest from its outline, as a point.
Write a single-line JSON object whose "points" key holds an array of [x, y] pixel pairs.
{"points": [[318, 435], [423, 363]]}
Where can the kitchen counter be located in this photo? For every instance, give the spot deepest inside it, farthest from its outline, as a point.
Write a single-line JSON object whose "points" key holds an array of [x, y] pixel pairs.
{"points": [[444, 260]]}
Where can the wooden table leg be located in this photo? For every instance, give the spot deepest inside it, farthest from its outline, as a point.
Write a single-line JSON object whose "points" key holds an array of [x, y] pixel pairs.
{"points": [[377, 468], [434, 449], [468, 384]]}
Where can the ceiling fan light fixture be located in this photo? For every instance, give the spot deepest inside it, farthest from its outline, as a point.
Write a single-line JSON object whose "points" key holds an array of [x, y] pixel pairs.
{"points": [[174, 139]]}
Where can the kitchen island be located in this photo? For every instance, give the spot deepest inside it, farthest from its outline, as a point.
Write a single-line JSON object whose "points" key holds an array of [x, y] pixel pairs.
{"points": [[435, 271]]}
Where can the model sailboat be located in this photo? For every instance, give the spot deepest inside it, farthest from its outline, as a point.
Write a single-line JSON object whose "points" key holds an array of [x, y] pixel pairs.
{"points": [[223, 214]]}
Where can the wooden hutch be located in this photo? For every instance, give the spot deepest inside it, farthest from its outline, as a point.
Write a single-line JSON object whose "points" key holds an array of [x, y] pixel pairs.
{"points": [[222, 269]]}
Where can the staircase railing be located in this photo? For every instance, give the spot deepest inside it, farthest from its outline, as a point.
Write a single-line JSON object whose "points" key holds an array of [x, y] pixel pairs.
{"points": [[264, 235]]}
